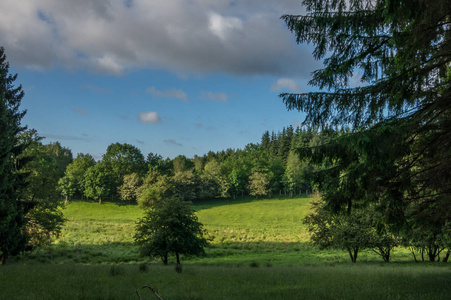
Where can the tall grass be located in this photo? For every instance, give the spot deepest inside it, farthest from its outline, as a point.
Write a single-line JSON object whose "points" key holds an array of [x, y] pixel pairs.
{"points": [[377, 281]]}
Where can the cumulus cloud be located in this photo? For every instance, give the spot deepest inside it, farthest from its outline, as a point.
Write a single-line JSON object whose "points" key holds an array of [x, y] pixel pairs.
{"points": [[174, 93], [218, 97], [286, 84], [112, 36], [149, 117], [173, 143]]}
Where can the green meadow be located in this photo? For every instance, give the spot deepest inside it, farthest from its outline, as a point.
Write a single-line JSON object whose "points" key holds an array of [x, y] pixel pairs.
{"points": [[259, 250]]}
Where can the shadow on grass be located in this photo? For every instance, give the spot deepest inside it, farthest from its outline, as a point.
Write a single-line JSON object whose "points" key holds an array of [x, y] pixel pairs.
{"points": [[114, 201], [207, 204], [235, 253]]}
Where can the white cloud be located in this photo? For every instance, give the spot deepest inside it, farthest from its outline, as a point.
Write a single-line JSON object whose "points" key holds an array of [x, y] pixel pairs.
{"points": [[174, 93], [286, 84], [111, 36], [224, 27], [149, 117], [218, 97], [108, 64]]}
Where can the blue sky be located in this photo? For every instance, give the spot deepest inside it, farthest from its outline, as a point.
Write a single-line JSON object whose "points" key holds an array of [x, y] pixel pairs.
{"points": [[170, 77]]}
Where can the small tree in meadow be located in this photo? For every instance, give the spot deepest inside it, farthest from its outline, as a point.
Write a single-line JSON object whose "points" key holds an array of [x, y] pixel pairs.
{"points": [[170, 227], [352, 231]]}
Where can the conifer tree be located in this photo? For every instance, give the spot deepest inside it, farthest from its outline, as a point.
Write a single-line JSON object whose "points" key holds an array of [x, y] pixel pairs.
{"points": [[397, 152], [11, 182]]}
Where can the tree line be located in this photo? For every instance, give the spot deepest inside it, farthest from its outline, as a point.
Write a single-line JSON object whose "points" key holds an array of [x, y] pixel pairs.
{"points": [[268, 168]]}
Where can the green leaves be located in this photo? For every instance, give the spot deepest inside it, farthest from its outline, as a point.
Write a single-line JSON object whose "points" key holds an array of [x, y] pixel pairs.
{"points": [[170, 227]]}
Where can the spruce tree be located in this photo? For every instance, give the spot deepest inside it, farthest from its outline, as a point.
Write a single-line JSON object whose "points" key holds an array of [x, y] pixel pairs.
{"points": [[11, 181], [397, 149]]}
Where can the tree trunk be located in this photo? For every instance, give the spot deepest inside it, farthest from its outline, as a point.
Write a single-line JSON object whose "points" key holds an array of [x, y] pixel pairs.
{"points": [[356, 251], [387, 256], [432, 253], [164, 258], [445, 259], [3, 258], [178, 258], [100, 201], [353, 255], [414, 257], [413, 253]]}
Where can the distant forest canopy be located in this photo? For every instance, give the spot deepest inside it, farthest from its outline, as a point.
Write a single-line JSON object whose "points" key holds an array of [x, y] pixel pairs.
{"points": [[272, 167]]}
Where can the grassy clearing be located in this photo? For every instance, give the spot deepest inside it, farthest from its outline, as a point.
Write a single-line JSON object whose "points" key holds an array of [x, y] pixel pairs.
{"points": [[376, 281], [259, 250], [242, 231]]}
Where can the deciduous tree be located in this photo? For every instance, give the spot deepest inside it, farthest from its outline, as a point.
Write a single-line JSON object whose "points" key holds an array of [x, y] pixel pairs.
{"points": [[258, 184], [170, 227]]}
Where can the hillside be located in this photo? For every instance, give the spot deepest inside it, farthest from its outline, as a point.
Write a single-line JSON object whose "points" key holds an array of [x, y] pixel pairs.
{"points": [[243, 231]]}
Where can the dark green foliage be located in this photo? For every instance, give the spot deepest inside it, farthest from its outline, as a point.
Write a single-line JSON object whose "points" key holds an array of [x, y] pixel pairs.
{"points": [[351, 231], [11, 182], [155, 188], [120, 160], [155, 162], [396, 154], [181, 164], [99, 182], [170, 227], [44, 217], [185, 185], [61, 155], [73, 181]]}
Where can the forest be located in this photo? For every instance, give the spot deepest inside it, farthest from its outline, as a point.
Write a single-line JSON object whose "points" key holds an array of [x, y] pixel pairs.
{"points": [[371, 163]]}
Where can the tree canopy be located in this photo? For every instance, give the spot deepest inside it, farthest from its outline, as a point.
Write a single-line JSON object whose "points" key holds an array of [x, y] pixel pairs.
{"points": [[170, 227], [394, 127]]}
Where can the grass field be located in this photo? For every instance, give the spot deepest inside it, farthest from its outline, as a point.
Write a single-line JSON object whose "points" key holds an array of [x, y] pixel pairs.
{"points": [[76, 281], [259, 250]]}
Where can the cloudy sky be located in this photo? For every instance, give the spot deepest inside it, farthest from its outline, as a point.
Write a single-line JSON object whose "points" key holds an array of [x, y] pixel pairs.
{"points": [[168, 76]]}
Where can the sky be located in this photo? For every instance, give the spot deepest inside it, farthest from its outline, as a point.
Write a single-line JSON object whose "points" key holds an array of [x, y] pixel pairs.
{"points": [[168, 76]]}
